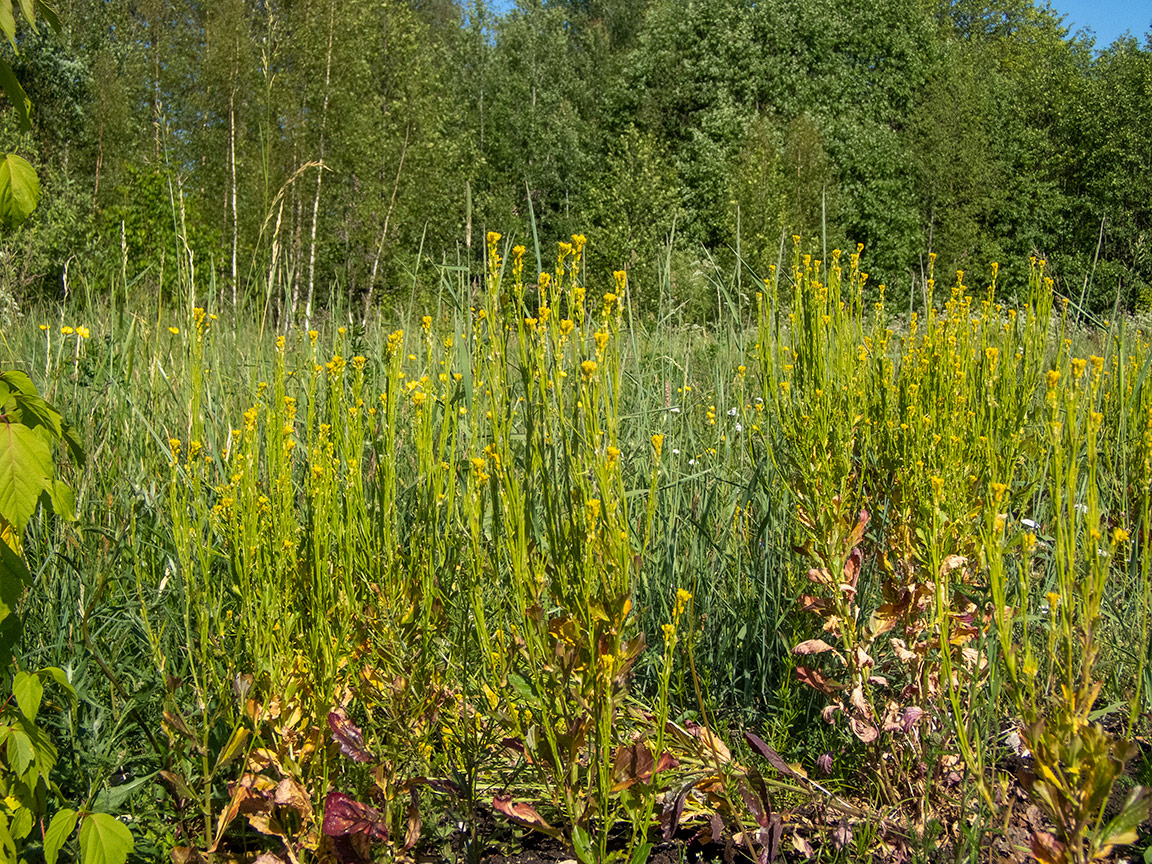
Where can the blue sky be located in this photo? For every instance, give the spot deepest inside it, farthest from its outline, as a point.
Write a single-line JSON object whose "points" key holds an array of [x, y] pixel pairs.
{"points": [[1108, 18]]}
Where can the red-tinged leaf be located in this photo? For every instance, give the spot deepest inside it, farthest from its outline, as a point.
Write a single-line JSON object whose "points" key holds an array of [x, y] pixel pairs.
{"points": [[775, 833], [820, 576], [344, 816], [815, 680], [774, 759], [818, 605], [842, 836], [348, 736], [514, 744], [814, 646], [828, 713], [755, 807], [524, 815], [911, 717], [858, 531], [802, 846], [412, 832], [712, 745], [859, 703], [632, 764], [852, 567], [666, 762], [445, 787], [715, 827], [1046, 848], [673, 808]]}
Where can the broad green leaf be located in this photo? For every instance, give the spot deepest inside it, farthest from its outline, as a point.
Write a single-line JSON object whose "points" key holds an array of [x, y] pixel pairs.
{"points": [[16, 96], [20, 752], [28, 692], [640, 856], [7, 844], [63, 501], [42, 746], [8, 21], [582, 843], [19, 190], [73, 441], [27, 7], [234, 745], [14, 578], [26, 470], [57, 674], [104, 840], [34, 412], [19, 382], [57, 834], [22, 822], [1122, 829], [113, 797]]}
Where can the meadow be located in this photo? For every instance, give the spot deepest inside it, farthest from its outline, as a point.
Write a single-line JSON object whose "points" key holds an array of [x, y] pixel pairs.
{"points": [[520, 571]]}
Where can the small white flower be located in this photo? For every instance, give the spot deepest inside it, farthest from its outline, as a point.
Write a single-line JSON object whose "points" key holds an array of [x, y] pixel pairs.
{"points": [[1028, 523], [674, 410], [739, 428], [691, 461], [1081, 508], [675, 452], [731, 412]]}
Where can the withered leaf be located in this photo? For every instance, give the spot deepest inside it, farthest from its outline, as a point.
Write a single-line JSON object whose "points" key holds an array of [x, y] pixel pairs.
{"points": [[1046, 848], [289, 793], [412, 832], [815, 680], [631, 764], [814, 646], [774, 759], [863, 730], [523, 814], [344, 816], [348, 736]]}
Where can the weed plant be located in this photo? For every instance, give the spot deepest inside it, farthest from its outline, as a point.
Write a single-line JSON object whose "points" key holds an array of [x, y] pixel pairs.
{"points": [[538, 550]]}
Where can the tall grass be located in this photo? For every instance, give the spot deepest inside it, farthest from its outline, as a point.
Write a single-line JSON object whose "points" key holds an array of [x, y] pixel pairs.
{"points": [[513, 531]]}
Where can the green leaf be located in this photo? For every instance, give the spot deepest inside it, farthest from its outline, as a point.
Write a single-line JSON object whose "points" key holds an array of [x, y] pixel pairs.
{"points": [[57, 674], [523, 690], [73, 441], [113, 797], [15, 93], [48, 14], [1121, 831], [19, 190], [19, 382], [8, 22], [104, 840], [20, 752], [582, 843], [14, 578], [22, 822], [57, 834], [28, 692], [63, 501], [29, 12], [26, 470], [7, 844], [640, 856], [34, 412]]}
